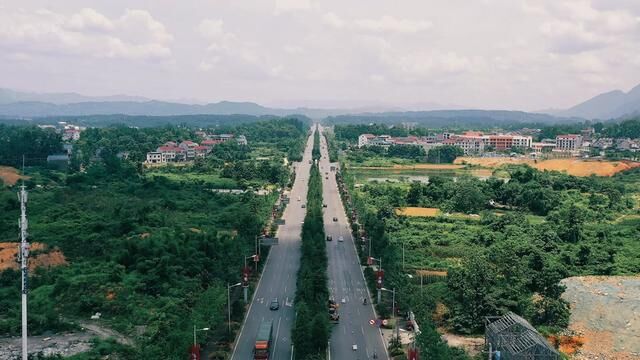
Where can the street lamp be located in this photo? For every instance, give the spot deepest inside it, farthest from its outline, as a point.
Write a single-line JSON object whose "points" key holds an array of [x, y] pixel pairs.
{"points": [[393, 310], [195, 343], [370, 261], [229, 301], [245, 274]]}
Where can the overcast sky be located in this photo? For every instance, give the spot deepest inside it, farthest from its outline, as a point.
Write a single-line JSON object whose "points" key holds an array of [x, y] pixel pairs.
{"points": [[500, 54]]}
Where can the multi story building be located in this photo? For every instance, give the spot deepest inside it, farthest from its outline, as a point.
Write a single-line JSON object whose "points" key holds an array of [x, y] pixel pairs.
{"points": [[569, 142]]}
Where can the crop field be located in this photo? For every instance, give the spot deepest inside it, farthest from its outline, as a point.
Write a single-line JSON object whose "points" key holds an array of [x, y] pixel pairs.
{"points": [[10, 175], [574, 167]]}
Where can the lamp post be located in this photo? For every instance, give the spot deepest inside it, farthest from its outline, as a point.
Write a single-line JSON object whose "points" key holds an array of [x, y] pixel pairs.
{"points": [[229, 302], [393, 310], [195, 343], [245, 289], [370, 261]]}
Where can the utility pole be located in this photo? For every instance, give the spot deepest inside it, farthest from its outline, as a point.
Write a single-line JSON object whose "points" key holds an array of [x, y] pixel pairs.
{"points": [[24, 254]]}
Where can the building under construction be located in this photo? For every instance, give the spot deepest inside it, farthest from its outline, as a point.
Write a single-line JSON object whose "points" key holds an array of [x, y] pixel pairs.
{"points": [[511, 337]]}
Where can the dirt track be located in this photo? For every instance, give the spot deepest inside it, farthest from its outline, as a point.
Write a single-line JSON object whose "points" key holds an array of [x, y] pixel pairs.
{"points": [[605, 312]]}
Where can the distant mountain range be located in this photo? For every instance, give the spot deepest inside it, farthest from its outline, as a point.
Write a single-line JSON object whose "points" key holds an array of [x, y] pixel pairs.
{"points": [[610, 105], [21, 105]]}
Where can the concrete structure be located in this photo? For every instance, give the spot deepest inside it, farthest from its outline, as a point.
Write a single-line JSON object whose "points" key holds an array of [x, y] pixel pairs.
{"points": [[569, 142]]}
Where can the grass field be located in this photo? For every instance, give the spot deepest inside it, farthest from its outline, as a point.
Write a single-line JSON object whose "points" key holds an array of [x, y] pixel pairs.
{"points": [[10, 175], [576, 167]]}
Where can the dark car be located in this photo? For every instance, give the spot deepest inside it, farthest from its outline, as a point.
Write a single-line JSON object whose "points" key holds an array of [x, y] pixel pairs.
{"points": [[324, 205], [275, 305], [335, 219], [329, 238]]}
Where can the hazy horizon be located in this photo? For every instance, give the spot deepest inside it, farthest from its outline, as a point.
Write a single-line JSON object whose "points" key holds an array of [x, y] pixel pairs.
{"points": [[491, 54]]}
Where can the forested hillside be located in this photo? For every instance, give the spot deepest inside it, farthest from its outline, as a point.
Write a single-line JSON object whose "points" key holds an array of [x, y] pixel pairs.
{"points": [[152, 251]]}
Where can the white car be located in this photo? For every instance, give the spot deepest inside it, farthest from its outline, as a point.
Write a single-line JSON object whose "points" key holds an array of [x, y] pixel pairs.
{"points": [[341, 239]]}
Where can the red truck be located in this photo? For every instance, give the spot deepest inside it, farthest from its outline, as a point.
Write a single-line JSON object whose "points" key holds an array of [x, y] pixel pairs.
{"points": [[262, 349]]}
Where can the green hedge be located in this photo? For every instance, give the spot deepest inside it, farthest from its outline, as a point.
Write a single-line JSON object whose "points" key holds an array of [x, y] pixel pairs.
{"points": [[311, 330]]}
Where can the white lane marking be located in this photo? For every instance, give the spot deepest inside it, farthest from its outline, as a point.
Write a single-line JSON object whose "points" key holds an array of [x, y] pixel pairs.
{"points": [[275, 346]]}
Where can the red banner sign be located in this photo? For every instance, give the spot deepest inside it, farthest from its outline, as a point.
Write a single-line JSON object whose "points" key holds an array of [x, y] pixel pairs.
{"points": [[413, 354], [194, 352], [379, 278]]}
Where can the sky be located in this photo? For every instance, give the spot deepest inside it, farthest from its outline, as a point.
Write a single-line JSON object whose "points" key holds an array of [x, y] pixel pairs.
{"points": [[486, 54]]}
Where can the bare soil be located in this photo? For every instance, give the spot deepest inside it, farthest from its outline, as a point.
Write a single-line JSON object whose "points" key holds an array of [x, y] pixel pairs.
{"points": [[605, 316], [44, 257], [10, 176], [572, 166]]}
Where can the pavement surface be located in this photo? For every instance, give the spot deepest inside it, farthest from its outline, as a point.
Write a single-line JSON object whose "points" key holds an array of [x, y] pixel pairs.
{"points": [[279, 276], [346, 282]]}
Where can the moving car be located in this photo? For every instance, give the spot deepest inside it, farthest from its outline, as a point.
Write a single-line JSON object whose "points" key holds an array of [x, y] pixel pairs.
{"points": [[275, 305], [341, 239], [335, 219], [329, 238]]}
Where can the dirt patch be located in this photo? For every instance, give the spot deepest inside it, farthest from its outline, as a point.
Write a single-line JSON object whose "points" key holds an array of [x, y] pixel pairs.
{"points": [[39, 256], [418, 211], [605, 315], [576, 167], [472, 345], [568, 345], [10, 176]]}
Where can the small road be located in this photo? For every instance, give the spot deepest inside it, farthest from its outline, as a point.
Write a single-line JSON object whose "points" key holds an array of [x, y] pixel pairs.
{"points": [[279, 276], [345, 278]]}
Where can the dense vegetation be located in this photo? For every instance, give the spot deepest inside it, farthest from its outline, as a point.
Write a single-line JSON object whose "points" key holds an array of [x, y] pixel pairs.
{"points": [[148, 249], [540, 228], [30, 142], [311, 329]]}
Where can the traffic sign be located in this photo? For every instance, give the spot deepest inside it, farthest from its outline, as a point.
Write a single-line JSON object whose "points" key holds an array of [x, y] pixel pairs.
{"points": [[372, 322]]}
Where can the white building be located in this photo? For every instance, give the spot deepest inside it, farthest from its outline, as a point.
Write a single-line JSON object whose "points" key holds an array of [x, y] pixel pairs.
{"points": [[155, 157], [363, 140], [569, 142]]}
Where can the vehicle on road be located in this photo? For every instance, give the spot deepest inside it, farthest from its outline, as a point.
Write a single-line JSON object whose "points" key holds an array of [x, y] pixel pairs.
{"points": [[329, 238], [324, 205], [262, 348], [333, 311], [298, 198], [275, 305], [335, 219], [303, 206], [341, 239]]}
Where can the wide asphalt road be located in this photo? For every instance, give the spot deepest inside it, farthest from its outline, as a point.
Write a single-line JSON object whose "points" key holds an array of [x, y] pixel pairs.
{"points": [[345, 278], [279, 276]]}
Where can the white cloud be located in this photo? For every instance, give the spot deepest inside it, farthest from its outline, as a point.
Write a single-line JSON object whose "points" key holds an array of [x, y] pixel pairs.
{"points": [[576, 26], [385, 24], [89, 20], [391, 24], [134, 35], [211, 28], [292, 5], [333, 20], [293, 50]]}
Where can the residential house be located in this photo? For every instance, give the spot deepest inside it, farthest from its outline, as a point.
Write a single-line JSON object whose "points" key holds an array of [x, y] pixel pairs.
{"points": [[363, 139], [155, 157]]}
